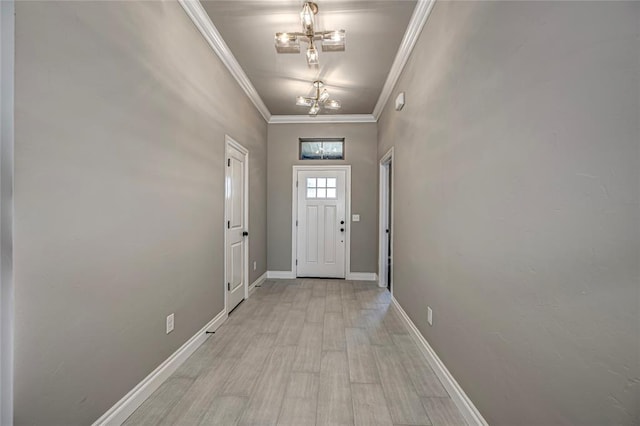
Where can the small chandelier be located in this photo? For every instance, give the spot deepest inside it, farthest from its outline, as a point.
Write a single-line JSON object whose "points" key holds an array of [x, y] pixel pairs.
{"points": [[331, 41], [321, 99]]}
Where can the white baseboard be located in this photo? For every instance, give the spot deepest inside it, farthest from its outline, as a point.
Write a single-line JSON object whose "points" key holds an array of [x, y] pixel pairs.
{"points": [[117, 414], [462, 401], [257, 282], [362, 276], [281, 275]]}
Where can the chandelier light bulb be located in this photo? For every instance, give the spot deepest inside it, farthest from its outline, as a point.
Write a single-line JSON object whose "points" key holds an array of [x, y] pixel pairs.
{"points": [[323, 96], [314, 109], [306, 16], [312, 55]]}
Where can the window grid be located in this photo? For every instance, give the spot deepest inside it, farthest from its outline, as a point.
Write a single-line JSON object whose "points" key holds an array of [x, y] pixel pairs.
{"points": [[322, 188]]}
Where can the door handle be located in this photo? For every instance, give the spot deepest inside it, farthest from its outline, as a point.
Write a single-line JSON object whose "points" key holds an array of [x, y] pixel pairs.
{"points": [[245, 234]]}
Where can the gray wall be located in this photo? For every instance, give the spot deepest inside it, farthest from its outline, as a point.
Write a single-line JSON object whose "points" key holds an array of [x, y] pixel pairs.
{"points": [[516, 205], [360, 153], [121, 114]]}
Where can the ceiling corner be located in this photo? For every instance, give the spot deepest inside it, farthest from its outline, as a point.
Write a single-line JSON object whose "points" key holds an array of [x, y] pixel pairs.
{"points": [[418, 19], [201, 20]]}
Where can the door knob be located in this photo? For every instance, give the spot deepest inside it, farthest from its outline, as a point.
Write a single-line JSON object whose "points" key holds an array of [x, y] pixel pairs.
{"points": [[342, 222], [245, 234], [341, 229]]}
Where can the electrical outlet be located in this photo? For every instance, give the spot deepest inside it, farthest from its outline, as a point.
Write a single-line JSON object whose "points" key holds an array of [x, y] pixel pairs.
{"points": [[170, 321], [255, 265], [429, 315]]}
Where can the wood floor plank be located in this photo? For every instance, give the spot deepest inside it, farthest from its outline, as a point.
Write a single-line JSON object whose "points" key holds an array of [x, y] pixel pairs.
{"points": [[302, 385], [297, 412], [276, 318], [319, 288], [266, 399], [333, 286], [224, 410], [315, 310], [392, 322], [243, 377], [335, 406], [154, 409], [309, 351], [301, 299], [333, 338], [443, 412], [362, 363], [369, 405], [352, 313], [333, 302], [194, 403], [424, 379], [291, 329], [347, 291], [404, 403]]}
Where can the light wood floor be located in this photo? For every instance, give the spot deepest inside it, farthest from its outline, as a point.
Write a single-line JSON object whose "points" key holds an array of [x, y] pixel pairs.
{"points": [[305, 352]]}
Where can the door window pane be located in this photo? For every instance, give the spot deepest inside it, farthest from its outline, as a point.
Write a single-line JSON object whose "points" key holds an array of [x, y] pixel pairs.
{"points": [[321, 188]]}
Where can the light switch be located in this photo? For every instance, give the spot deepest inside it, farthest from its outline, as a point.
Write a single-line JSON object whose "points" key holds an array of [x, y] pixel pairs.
{"points": [[355, 218]]}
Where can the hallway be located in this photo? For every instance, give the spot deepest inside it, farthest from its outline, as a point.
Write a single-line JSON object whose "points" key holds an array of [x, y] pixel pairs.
{"points": [[305, 352]]}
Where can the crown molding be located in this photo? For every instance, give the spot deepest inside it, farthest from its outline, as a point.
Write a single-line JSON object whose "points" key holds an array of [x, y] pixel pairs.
{"points": [[418, 19], [333, 118], [203, 23]]}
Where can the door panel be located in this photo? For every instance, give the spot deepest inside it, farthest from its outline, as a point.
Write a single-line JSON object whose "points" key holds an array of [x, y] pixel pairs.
{"points": [[236, 262], [330, 237], [312, 234], [321, 239]]}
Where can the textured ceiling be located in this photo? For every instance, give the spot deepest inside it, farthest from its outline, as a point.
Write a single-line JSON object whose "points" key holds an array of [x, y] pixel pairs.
{"points": [[355, 77]]}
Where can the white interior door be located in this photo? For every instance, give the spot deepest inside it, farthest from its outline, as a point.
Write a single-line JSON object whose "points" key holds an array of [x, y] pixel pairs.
{"points": [[322, 223], [236, 226]]}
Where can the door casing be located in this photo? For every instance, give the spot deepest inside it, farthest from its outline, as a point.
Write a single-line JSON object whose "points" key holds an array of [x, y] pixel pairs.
{"points": [[385, 219], [347, 209], [229, 142]]}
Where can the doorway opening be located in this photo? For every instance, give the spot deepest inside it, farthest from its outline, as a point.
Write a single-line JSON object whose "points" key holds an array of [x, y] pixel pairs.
{"points": [[320, 227], [385, 235]]}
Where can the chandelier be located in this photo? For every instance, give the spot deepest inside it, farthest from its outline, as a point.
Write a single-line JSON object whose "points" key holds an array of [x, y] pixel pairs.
{"points": [[331, 41], [321, 99]]}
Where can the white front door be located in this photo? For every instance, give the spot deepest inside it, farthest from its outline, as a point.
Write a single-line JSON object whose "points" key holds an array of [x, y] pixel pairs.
{"points": [[322, 223], [236, 226]]}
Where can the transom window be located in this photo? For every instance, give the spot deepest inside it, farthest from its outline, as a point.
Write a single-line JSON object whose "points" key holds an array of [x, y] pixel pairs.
{"points": [[321, 188], [322, 149]]}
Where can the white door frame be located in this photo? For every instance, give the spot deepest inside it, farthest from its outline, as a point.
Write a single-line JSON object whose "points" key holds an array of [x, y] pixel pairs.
{"points": [[347, 214], [383, 217], [230, 142], [7, 71]]}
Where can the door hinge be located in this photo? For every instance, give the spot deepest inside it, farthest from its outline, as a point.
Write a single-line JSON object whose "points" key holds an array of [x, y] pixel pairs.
{"points": [[296, 184], [296, 262], [228, 224], [296, 223], [228, 286], [228, 162]]}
